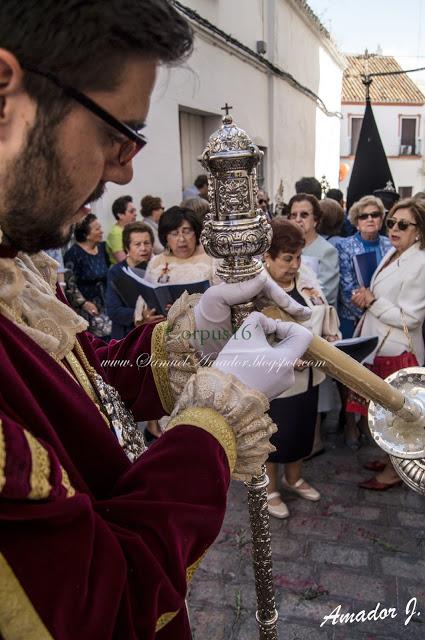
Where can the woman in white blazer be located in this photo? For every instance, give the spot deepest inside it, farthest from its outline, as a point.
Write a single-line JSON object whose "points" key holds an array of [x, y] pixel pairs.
{"points": [[295, 411], [394, 303]]}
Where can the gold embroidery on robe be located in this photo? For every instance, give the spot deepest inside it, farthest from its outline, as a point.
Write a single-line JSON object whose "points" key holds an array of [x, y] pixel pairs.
{"points": [[167, 617], [40, 469], [18, 618], [160, 368], [211, 421]]}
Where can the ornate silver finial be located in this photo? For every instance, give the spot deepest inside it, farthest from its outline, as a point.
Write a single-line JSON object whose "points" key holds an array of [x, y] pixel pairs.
{"points": [[235, 230], [389, 187]]}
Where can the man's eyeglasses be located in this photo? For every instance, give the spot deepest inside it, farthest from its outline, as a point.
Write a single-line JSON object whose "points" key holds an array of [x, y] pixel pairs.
{"points": [[128, 149], [402, 224], [372, 214]]}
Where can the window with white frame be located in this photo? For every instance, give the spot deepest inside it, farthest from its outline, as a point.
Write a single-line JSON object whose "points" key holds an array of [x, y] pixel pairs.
{"points": [[355, 127], [408, 136]]}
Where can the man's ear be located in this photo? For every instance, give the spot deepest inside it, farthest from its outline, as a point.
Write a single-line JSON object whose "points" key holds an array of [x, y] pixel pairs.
{"points": [[11, 78]]}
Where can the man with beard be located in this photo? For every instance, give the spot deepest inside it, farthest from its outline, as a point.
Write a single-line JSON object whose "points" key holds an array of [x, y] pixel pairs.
{"points": [[96, 542]]}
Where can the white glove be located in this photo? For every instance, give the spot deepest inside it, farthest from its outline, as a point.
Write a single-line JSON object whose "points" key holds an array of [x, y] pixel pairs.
{"points": [[257, 364], [213, 313]]}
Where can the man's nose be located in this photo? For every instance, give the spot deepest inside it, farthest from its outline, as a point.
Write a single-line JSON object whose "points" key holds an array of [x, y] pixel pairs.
{"points": [[117, 173]]}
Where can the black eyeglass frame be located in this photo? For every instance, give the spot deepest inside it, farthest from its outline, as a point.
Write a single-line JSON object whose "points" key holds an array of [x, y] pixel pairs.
{"points": [[405, 224], [92, 106], [373, 214]]}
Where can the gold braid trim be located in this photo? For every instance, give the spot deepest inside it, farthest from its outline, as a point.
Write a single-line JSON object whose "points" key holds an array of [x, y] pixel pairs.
{"points": [[211, 421], [66, 483], [18, 618], [163, 620], [159, 366], [40, 469], [2, 458], [193, 567], [167, 617], [81, 375]]}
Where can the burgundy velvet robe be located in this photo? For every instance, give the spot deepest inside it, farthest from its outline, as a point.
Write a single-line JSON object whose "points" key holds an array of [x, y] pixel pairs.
{"points": [[109, 561]]}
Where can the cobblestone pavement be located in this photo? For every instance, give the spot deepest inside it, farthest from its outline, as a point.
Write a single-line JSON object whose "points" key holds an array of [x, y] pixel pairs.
{"points": [[354, 548]]}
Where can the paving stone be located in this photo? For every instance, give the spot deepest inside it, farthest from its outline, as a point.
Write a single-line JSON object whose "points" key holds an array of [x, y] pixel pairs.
{"points": [[235, 594], [312, 525], [353, 585], [362, 547], [308, 607], [284, 546], [380, 538], [401, 567], [324, 552], [296, 576], [287, 631], [332, 507], [411, 519], [218, 622]]}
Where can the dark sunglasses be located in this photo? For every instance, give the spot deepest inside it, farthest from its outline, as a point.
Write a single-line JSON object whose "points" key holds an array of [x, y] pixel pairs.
{"points": [[402, 224], [373, 214], [128, 149], [263, 202]]}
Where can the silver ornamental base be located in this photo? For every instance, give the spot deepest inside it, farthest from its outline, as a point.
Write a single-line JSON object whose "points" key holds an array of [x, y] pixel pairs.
{"points": [[403, 441]]}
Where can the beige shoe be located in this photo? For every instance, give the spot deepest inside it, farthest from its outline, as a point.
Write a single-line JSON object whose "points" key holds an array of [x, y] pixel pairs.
{"points": [[277, 510], [307, 494]]}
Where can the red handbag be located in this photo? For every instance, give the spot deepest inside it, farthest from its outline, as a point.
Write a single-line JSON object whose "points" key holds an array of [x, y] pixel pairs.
{"points": [[384, 366]]}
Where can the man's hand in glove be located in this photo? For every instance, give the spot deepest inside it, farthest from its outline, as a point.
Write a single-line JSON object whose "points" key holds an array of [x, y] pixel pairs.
{"points": [[259, 365]]}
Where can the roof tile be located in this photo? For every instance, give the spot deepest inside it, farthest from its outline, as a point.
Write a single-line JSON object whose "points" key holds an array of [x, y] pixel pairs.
{"points": [[384, 89]]}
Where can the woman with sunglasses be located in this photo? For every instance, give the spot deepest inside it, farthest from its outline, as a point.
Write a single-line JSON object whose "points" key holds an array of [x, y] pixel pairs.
{"points": [[367, 215], [394, 308]]}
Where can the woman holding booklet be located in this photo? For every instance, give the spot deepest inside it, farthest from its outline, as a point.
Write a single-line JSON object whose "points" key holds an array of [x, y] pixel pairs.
{"points": [[184, 259]]}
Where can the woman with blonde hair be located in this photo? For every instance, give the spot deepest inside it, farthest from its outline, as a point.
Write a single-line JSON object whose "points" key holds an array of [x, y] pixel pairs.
{"points": [[367, 215]]}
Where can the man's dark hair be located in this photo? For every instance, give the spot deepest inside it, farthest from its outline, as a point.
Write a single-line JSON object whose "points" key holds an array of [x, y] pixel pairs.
{"points": [[335, 194], [201, 181], [82, 229], [309, 185], [173, 218], [135, 227], [86, 43], [120, 205]]}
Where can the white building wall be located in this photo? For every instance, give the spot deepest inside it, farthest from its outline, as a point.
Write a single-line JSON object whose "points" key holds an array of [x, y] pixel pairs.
{"points": [[299, 138], [406, 170]]}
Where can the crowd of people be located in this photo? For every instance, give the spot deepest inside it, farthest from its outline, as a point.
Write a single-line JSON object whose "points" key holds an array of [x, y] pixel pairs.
{"points": [[315, 256]]}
